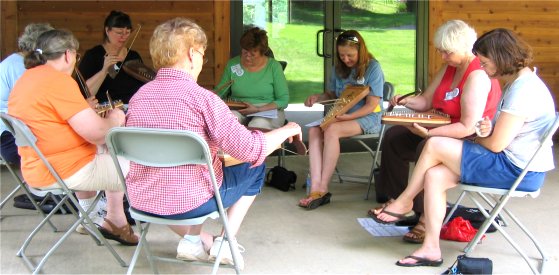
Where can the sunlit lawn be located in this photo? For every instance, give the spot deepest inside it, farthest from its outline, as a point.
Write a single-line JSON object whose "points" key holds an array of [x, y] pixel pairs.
{"points": [[296, 44]]}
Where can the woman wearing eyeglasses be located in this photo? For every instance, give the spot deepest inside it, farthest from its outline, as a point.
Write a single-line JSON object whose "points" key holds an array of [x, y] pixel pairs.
{"points": [[258, 81], [355, 65], [505, 145], [68, 130], [460, 89], [101, 65]]}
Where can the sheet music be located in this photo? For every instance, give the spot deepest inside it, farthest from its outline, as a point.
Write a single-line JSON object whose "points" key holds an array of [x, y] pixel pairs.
{"points": [[314, 123], [267, 114], [382, 230]]}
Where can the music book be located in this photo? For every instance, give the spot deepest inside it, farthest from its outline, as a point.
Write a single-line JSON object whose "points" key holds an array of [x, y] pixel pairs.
{"points": [[267, 114]]}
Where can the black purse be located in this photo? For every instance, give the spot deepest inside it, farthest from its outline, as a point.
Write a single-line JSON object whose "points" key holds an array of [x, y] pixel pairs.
{"points": [[470, 265], [281, 178]]}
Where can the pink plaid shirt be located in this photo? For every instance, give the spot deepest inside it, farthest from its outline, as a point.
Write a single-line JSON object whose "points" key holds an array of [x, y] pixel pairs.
{"points": [[174, 101]]}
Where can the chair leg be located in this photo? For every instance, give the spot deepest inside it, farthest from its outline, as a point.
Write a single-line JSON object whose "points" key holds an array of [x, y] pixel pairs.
{"points": [[491, 220], [143, 240]]}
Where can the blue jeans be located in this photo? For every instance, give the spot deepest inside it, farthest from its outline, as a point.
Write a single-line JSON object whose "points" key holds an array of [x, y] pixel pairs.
{"points": [[239, 180]]}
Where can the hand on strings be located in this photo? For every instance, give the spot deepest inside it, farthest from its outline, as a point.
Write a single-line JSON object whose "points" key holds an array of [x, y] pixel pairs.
{"points": [[92, 102], [483, 127], [419, 130], [311, 100], [250, 109], [344, 117]]}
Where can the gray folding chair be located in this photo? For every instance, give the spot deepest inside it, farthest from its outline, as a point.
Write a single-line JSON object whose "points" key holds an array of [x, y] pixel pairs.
{"points": [[22, 186], [166, 148], [388, 92], [496, 199], [25, 138]]}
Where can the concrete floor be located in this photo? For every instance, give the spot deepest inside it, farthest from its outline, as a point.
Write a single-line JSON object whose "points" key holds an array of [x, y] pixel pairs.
{"points": [[281, 237]]}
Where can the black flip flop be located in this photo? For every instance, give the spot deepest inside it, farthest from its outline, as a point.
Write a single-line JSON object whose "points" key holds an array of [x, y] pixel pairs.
{"points": [[420, 261], [400, 217]]}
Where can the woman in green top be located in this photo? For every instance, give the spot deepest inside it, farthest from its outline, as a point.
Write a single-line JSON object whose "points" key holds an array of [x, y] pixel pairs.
{"points": [[258, 81]]}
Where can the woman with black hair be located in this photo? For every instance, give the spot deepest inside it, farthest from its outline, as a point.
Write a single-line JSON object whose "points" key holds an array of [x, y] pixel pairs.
{"points": [[101, 64]]}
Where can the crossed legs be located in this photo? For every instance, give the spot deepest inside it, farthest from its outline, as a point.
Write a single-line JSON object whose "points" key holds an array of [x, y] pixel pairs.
{"points": [[437, 170]]}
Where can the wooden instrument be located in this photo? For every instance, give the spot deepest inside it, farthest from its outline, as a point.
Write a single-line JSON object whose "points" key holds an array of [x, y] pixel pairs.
{"points": [[432, 118], [235, 105], [82, 83], [138, 70], [349, 97], [103, 107], [227, 159]]}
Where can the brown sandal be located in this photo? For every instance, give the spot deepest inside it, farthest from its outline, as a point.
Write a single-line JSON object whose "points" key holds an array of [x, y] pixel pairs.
{"points": [[371, 212], [124, 235], [315, 199], [416, 234]]}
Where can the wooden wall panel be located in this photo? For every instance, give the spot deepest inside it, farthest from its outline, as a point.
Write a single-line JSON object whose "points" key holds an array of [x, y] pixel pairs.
{"points": [[534, 21], [85, 19]]}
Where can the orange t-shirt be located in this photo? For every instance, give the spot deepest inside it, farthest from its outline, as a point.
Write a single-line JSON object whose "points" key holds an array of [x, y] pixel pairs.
{"points": [[44, 99]]}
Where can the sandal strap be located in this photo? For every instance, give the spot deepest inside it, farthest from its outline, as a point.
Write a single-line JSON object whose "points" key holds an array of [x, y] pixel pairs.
{"points": [[125, 232]]}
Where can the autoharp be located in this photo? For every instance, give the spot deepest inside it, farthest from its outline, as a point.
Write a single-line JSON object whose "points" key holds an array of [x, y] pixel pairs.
{"points": [[227, 159], [349, 97], [432, 118], [138, 70], [235, 105], [101, 108]]}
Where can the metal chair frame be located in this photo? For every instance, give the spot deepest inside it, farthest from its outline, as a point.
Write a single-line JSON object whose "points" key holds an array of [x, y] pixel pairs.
{"points": [[496, 199], [388, 92], [167, 148], [26, 138]]}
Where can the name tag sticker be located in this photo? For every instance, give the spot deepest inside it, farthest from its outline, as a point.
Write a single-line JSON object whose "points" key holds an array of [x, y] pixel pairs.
{"points": [[452, 94]]}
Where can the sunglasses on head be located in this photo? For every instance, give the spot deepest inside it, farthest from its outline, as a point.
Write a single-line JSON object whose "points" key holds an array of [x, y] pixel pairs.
{"points": [[348, 37]]}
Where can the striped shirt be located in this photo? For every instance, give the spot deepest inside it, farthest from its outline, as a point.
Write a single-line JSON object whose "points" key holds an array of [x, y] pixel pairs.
{"points": [[173, 100]]}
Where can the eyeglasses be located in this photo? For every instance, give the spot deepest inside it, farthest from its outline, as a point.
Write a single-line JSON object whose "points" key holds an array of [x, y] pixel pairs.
{"points": [[205, 60], [483, 64], [348, 37], [121, 32], [444, 52], [248, 53]]}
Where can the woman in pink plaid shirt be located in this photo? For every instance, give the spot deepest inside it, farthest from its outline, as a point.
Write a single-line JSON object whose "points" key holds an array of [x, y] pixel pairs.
{"points": [[173, 100]]}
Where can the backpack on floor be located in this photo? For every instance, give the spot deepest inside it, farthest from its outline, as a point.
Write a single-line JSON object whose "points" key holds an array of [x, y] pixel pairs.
{"points": [[281, 178]]}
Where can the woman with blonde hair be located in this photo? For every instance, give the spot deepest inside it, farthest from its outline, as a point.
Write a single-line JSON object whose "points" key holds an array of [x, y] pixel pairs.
{"points": [[173, 100]]}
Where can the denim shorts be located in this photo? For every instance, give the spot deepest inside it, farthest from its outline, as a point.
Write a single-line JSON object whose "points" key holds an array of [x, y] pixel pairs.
{"points": [[370, 124], [239, 180], [481, 167]]}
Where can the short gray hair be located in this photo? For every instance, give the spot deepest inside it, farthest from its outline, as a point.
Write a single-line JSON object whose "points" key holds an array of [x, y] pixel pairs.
{"points": [[455, 36], [28, 39]]}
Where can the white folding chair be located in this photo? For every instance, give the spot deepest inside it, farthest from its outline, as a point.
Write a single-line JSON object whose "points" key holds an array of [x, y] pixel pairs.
{"points": [[388, 92], [166, 148], [25, 138], [496, 199]]}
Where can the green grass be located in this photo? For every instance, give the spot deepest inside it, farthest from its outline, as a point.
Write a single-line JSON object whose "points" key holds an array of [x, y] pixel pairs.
{"points": [[379, 22], [305, 71]]}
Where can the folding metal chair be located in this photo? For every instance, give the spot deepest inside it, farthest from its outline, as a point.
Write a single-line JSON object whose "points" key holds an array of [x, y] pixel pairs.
{"points": [[496, 199], [26, 138], [22, 186], [166, 148], [388, 92]]}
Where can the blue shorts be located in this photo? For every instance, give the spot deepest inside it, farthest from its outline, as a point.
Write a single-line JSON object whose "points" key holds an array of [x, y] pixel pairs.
{"points": [[370, 124], [481, 167], [239, 180]]}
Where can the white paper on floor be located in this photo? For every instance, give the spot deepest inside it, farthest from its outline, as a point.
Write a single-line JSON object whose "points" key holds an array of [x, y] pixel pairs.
{"points": [[382, 230]]}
